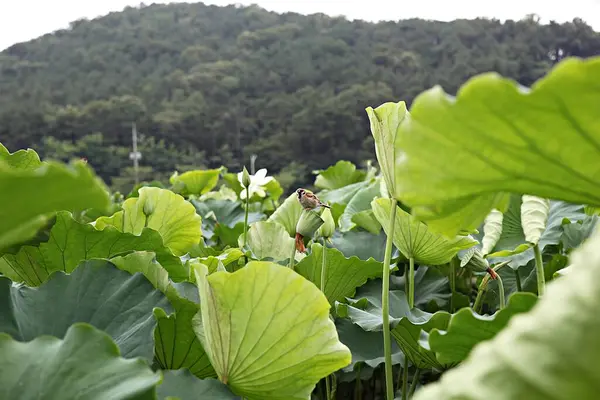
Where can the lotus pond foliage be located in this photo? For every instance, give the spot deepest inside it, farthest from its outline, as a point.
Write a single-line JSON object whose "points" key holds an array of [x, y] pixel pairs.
{"points": [[469, 249]]}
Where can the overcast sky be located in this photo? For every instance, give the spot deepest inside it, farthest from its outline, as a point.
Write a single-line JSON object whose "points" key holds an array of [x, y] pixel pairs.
{"points": [[22, 20]]}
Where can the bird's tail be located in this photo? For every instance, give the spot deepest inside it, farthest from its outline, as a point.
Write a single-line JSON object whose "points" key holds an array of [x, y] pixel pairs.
{"points": [[324, 205]]}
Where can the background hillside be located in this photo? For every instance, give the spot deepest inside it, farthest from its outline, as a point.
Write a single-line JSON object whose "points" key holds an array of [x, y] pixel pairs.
{"points": [[209, 86]]}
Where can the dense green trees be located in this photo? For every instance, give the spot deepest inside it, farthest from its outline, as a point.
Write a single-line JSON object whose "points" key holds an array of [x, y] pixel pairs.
{"points": [[221, 83]]}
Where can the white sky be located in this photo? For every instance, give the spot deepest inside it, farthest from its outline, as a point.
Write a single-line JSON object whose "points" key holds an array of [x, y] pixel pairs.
{"points": [[22, 20]]}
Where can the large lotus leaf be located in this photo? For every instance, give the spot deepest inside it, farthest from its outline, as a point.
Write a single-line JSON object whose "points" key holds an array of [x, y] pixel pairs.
{"points": [[414, 239], [550, 352], [83, 365], [406, 323], [72, 242], [195, 182], [288, 214], [223, 212], [97, 293], [575, 233], [430, 286], [366, 347], [360, 244], [162, 210], [496, 137], [343, 173], [343, 275], [467, 329], [269, 240], [512, 245], [30, 196], [360, 202], [385, 122], [20, 159], [342, 195], [366, 219], [182, 385], [267, 331], [176, 344]]}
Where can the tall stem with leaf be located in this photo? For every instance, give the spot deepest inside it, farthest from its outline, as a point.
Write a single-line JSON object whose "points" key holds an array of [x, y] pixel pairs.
{"points": [[385, 305], [539, 270], [411, 282]]}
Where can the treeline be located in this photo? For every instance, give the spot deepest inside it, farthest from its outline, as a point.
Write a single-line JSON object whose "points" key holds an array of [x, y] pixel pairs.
{"points": [[211, 85]]}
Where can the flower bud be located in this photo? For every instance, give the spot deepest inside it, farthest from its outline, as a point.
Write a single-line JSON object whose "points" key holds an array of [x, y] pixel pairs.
{"points": [[245, 178], [328, 228]]}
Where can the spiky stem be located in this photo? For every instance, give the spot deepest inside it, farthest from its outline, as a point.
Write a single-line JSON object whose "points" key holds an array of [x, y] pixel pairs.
{"points": [[246, 227], [385, 305]]}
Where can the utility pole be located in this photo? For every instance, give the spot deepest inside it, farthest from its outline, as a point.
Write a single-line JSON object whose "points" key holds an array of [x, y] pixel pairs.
{"points": [[135, 155]]}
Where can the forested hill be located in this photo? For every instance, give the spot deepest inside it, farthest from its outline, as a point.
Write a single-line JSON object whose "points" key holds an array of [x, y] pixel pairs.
{"points": [[221, 83]]}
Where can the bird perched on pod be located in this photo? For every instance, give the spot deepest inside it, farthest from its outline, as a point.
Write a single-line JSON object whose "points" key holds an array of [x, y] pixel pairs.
{"points": [[308, 200]]}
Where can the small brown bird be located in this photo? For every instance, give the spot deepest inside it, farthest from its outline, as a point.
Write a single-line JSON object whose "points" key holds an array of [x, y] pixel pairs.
{"points": [[308, 200]]}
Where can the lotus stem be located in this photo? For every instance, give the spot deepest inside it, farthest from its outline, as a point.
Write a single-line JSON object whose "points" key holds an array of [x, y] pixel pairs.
{"points": [[405, 379], [483, 286], [327, 388], [246, 226], [411, 283], [413, 384], [324, 267], [501, 292], [539, 271], [357, 388], [293, 257], [453, 263], [518, 280], [385, 305]]}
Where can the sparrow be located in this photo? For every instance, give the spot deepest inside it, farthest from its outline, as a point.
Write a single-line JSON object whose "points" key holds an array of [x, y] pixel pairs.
{"points": [[308, 200]]}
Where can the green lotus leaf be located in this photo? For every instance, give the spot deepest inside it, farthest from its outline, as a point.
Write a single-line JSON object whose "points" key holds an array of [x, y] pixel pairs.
{"points": [[97, 293], [72, 242], [385, 123], [366, 347], [227, 257], [288, 214], [513, 246], [575, 233], [343, 173], [31, 196], [269, 240], [343, 275], [20, 159], [406, 323], [176, 344], [182, 385], [551, 351], [220, 213], [342, 195], [162, 210], [195, 182], [360, 202], [467, 329], [415, 240], [366, 219], [267, 331], [85, 364], [431, 286], [459, 156], [363, 245]]}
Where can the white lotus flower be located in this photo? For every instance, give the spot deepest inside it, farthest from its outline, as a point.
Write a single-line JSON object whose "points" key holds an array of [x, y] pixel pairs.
{"points": [[257, 182]]}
